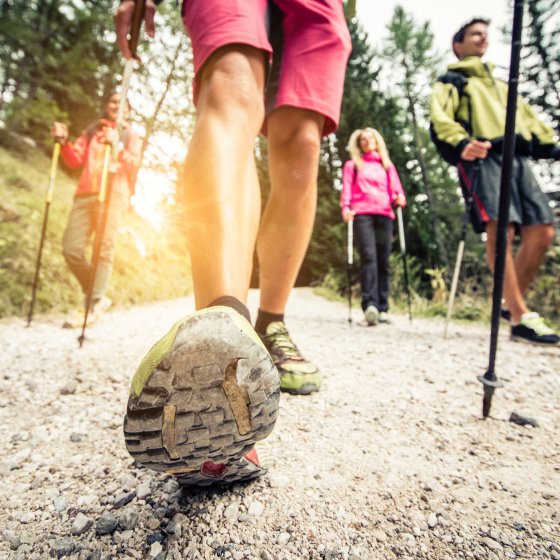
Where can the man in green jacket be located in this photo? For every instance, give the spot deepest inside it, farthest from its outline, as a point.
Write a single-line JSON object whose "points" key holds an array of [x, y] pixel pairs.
{"points": [[468, 109]]}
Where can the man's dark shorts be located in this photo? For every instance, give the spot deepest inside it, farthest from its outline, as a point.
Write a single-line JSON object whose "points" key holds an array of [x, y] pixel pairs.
{"points": [[528, 204]]}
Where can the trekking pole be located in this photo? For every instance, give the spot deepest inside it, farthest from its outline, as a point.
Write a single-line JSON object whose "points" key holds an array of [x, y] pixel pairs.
{"points": [[489, 379], [110, 162], [48, 199], [402, 242], [349, 263], [461, 247]]}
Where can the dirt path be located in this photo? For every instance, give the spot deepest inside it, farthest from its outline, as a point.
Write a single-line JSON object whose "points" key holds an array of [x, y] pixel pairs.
{"points": [[390, 460]]}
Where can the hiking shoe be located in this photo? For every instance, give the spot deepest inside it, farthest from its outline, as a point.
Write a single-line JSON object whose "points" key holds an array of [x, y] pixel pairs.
{"points": [[532, 329], [75, 319], [505, 314], [201, 398], [298, 376], [384, 317], [372, 315], [102, 305]]}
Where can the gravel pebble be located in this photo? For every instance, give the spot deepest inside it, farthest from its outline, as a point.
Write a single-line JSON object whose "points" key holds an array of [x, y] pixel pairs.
{"points": [[81, 524], [106, 524]]}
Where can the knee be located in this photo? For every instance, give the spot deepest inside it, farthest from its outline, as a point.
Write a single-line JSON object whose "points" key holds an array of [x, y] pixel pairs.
{"points": [[230, 90], [544, 239], [71, 255], [298, 136]]}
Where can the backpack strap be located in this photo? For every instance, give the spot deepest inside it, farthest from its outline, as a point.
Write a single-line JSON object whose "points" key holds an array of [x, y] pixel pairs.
{"points": [[459, 81]]}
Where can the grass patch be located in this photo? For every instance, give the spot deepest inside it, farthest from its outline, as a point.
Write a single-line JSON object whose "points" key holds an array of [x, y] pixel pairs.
{"points": [[149, 264]]}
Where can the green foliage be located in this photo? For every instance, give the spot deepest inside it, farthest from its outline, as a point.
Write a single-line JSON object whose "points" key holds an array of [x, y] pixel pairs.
{"points": [[541, 55], [149, 265], [55, 62]]}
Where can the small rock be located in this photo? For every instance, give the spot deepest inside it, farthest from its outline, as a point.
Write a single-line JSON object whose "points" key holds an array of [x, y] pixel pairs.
{"points": [[91, 555], [155, 537], [28, 517], [523, 420], [283, 539], [88, 500], [380, 536], [256, 509], [432, 520], [76, 438], [69, 388], [265, 555], [231, 510], [153, 523], [492, 544], [15, 542], [106, 524], [64, 547], [60, 504], [143, 491], [174, 528], [123, 499], [155, 549], [81, 524], [128, 519]]}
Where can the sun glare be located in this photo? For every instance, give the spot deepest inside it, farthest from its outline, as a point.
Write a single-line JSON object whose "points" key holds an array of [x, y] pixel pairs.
{"points": [[153, 188]]}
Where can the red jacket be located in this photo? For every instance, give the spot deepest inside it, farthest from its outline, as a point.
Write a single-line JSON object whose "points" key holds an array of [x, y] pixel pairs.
{"points": [[88, 154]]}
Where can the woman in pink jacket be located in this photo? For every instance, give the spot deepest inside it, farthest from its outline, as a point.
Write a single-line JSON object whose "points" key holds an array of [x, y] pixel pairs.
{"points": [[370, 189]]}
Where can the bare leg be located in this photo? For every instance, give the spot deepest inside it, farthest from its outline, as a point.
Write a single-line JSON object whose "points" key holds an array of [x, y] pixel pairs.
{"points": [[512, 292], [221, 186], [294, 145], [535, 241]]}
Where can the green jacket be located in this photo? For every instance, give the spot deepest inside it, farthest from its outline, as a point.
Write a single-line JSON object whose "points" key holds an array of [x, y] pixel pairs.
{"points": [[469, 103]]}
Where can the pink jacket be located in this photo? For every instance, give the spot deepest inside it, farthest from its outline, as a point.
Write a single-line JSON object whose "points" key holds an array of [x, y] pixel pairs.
{"points": [[374, 189]]}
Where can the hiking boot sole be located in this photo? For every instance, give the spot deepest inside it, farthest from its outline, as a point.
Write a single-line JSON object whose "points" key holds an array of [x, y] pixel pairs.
{"points": [[305, 389], [371, 315], [205, 403], [523, 340]]}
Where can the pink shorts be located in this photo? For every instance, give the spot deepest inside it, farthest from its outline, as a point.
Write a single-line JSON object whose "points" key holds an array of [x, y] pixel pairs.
{"points": [[308, 41]]}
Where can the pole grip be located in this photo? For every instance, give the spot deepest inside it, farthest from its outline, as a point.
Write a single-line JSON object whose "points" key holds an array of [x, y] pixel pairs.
{"points": [[401, 230], [137, 17], [52, 174]]}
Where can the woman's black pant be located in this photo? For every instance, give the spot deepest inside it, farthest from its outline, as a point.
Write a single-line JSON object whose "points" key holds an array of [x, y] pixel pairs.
{"points": [[374, 238]]}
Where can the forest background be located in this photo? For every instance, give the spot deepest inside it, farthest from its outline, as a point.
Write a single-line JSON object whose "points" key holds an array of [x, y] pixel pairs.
{"points": [[57, 61]]}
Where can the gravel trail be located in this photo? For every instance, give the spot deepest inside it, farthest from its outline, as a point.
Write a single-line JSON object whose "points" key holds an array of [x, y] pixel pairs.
{"points": [[389, 460]]}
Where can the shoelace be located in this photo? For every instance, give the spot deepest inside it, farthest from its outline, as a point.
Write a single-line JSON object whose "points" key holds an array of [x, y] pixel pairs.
{"points": [[281, 340], [537, 323]]}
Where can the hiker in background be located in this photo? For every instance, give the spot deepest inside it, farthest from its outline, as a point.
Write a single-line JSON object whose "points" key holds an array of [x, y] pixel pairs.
{"points": [[87, 153], [468, 109], [371, 188]]}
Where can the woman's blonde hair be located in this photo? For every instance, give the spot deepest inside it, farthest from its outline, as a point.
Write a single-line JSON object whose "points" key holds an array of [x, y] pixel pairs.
{"points": [[356, 152]]}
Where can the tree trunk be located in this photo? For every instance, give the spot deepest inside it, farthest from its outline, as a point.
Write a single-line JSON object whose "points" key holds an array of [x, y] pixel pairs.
{"points": [[427, 187]]}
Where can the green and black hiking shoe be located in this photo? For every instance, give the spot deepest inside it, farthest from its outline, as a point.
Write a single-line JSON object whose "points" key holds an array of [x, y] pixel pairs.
{"points": [[533, 330], [202, 397], [297, 375]]}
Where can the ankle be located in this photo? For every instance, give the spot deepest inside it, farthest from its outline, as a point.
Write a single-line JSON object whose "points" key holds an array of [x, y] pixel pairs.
{"points": [[264, 318], [234, 303]]}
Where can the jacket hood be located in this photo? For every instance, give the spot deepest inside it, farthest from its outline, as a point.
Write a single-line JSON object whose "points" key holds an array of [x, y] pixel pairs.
{"points": [[472, 66]]}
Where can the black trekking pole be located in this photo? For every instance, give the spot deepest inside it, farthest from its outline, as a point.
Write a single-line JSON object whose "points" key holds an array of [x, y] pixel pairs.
{"points": [[110, 162], [349, 263], [489, 379], [48, 199], [461, 247], [402, 242]]}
